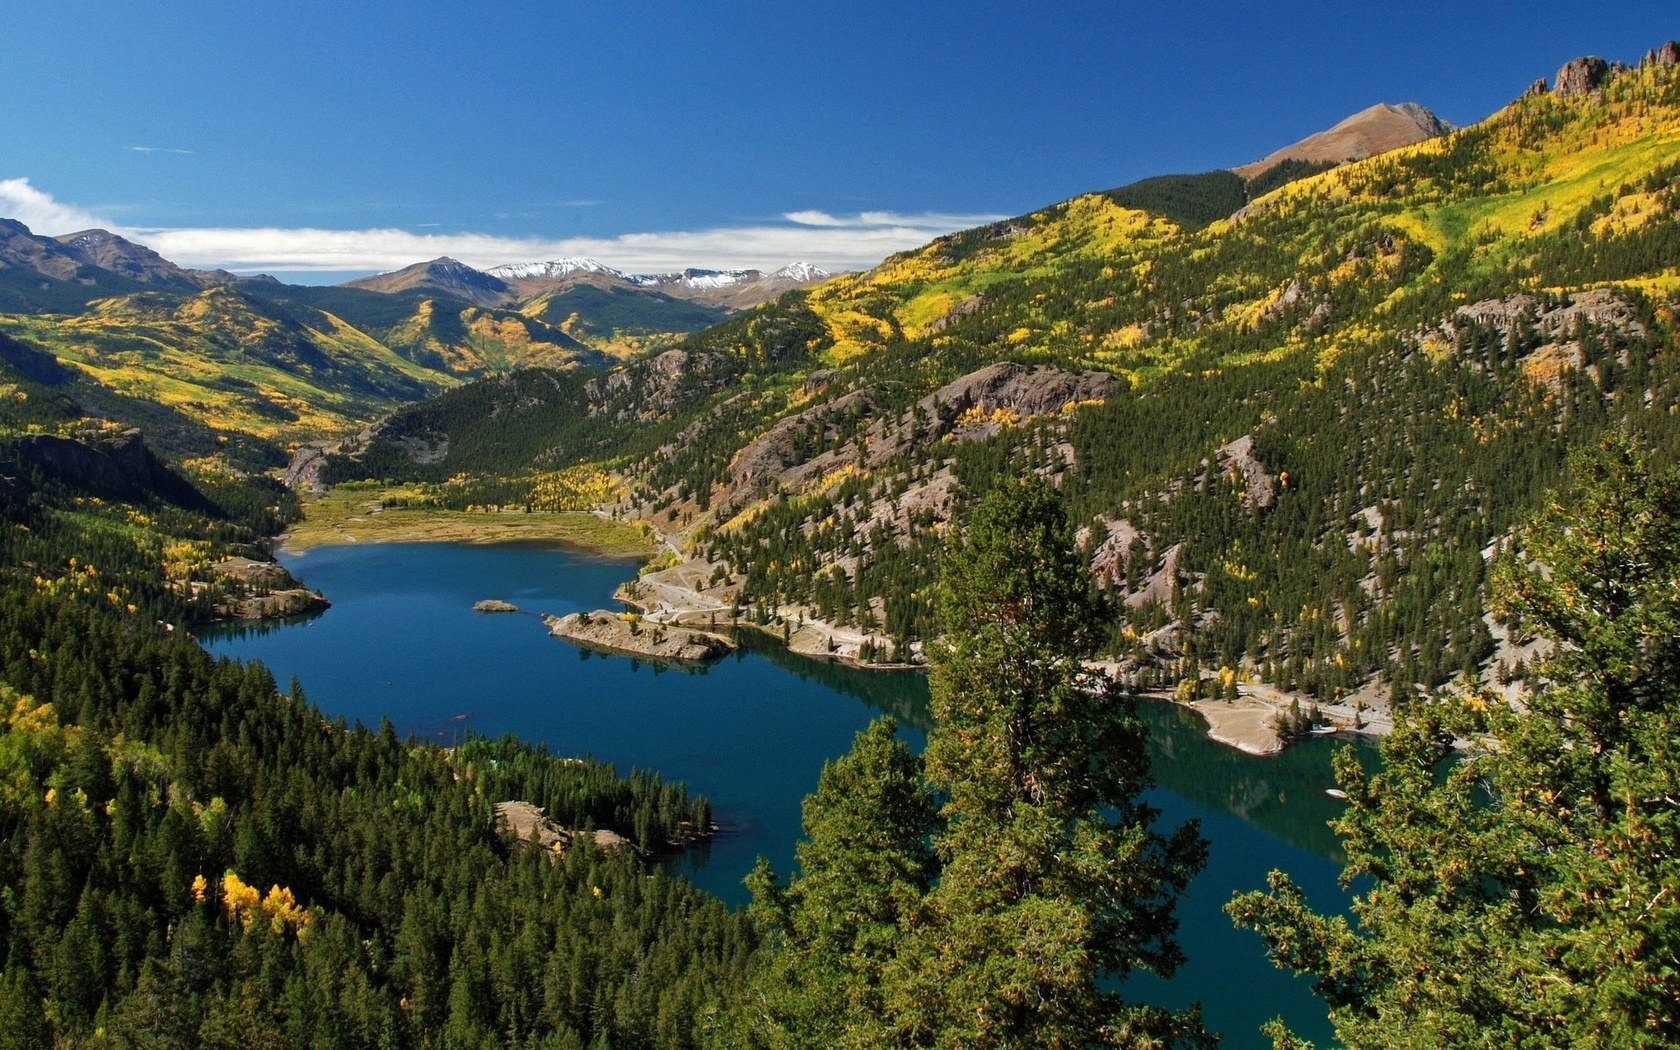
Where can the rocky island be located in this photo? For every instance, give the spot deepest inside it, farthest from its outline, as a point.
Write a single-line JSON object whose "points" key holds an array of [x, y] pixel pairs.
{"points": [[627, 633]]}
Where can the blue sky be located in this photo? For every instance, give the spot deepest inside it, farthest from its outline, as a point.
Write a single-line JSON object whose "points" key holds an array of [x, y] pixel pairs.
{"points": [[348, 137]]}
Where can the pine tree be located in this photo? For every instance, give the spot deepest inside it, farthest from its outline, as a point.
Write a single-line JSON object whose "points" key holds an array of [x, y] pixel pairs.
{"points": [[865, 866], [1046, 882], [1527, 895], [1053, 882]]}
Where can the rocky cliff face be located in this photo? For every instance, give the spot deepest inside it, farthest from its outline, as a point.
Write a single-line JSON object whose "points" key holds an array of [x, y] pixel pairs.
{"points": [[111, 465], [971, 408], [1580, 76]]}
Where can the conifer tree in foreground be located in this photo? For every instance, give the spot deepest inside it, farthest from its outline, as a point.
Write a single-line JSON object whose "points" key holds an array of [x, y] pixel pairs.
{"points": [[1046, 884], [1528, 895]]}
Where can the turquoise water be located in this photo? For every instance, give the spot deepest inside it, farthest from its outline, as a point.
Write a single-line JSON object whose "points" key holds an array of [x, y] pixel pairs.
{"points": [[752, 732]]}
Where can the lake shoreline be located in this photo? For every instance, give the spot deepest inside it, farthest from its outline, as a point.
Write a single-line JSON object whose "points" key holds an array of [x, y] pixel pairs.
{"points": [[343, 517], [750, 731], [680, 596]]}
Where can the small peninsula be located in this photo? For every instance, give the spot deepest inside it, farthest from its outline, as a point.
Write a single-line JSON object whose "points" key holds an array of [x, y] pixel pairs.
{"points": [[627, 634]]}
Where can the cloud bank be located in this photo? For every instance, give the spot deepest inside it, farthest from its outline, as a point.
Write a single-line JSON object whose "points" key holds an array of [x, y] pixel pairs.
{"points": [[834, 242], [38, 211]]}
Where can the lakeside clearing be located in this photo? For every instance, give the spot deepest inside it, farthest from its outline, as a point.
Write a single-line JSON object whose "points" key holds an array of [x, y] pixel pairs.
{"points": [[349, 514]]}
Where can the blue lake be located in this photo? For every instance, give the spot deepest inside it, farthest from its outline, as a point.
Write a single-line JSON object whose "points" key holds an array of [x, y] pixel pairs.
{"points": [[752, 731]]}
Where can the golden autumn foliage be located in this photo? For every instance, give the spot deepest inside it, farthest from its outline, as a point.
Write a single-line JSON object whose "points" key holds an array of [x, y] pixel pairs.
{"points": [[246, 905]]}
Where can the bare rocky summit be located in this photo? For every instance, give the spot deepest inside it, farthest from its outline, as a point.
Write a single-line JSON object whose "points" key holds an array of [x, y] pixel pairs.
{"points": [[444, 274], [1378, 129]]}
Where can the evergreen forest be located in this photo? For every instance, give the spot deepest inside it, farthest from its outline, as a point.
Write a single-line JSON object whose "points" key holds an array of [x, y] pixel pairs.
{"points": [[1399, 436]]}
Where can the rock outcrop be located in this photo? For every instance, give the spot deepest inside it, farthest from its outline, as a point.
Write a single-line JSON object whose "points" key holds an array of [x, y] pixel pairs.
{"points": [[1244, 467], [649, 389], [1598, 306], [111, 464], [962, 311], [627, 634], [494, 605], [261, 590], [967, 409], [530, 827], [1021, 391], [819, 380], [303, 473], [1161, 582], [1111, 555], [1580, 76]]}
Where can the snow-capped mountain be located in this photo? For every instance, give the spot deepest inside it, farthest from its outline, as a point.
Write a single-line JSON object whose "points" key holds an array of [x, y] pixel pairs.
{"points": [[693, 278], [556, 269], [802, 272], [515, 283], [730, 289], [696, 278]]}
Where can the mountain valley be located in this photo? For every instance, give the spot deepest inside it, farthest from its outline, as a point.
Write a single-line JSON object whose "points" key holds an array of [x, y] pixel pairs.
{"points": [[1378, 435], [1295, 424]]}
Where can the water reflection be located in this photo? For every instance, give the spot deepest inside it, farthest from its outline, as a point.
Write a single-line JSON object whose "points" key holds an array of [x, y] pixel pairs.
{"points": [[1283, 794], [901, 694]]}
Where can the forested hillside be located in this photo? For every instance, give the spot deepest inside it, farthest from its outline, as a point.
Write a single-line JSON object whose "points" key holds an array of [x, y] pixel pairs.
{"points": [[1283, 430], [1325, 407], [192, 857]]}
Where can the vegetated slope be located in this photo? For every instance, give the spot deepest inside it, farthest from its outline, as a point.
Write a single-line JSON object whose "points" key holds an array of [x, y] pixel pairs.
{"points": [[246, 359], [231, 362], [1319, 412], [192, 856], [603, 315]]}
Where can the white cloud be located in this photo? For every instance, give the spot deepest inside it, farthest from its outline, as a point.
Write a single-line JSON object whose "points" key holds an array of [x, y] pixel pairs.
{"points": [[830, 241], [940, 221], [40, 212], [162, 149]]}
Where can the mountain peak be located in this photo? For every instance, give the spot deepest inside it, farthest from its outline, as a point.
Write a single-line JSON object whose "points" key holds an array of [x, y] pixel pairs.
{"points": [[555, 268], [802, 272], [1376, 129], [443, 274]]}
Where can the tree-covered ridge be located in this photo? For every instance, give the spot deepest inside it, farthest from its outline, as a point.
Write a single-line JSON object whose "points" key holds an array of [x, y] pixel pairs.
{"points": [[1468, 206], [271, 363], [193, 858], [1524, 892], [1336, 400]]}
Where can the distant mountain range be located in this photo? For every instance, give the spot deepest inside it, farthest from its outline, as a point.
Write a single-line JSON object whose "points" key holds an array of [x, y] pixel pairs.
{"points": [[192, 354], [729, 290]]}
